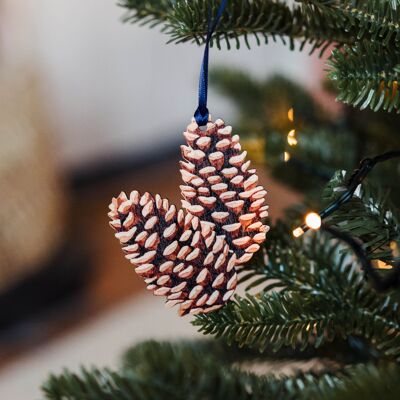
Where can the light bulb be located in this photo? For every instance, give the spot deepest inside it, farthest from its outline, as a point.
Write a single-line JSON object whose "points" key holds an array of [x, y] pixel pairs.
{"points": [[313, 220], [381, 264], [290, 114], [286, 156], [297, 232], [291, 138]]}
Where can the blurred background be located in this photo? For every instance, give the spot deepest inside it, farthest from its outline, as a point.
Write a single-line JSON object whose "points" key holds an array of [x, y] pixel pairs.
{"points": [[89, 107]]}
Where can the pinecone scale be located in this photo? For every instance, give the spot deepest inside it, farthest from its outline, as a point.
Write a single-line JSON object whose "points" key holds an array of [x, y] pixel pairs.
{"points": [[189, 255], [221, 188]]}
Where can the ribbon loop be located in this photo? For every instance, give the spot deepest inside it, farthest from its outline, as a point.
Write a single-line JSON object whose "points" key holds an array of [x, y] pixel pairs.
{"points": [[201, 114]]}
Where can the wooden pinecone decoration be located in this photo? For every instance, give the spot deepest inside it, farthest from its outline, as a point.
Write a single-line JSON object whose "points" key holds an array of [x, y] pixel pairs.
{"points": [[189, 255]]}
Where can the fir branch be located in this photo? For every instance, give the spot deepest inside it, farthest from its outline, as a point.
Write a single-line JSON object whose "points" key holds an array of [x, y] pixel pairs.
{"points": [[366, 72], [369, 216], [242, 19], [146, 11], [321, 296], [262, 106], [187, 21], [153, 370], [367, 382], [275, 320], [367, 76], [191, 371], [266, 101], [310, 266], [344, 352], [363, 20], [317, 22]]}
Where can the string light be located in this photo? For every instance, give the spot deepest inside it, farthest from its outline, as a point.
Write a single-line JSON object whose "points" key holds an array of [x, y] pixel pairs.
{"points": [[314, 220], [379, 264], [292, 141], [380, 282], [395, 248], [311, 221], [297, 232], [290, 114], [291, 138]]}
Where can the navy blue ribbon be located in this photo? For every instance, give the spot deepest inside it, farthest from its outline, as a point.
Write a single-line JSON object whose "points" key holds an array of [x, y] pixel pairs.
{"points": [[201, 114]]}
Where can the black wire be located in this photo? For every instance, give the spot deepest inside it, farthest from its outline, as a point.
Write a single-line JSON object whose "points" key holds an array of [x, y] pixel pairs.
{"points": [[357, 176], [392, 280], [380, 284]]}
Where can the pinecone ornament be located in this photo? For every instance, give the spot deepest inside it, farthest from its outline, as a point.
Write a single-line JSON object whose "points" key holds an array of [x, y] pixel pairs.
{"points": [[189, 255]]}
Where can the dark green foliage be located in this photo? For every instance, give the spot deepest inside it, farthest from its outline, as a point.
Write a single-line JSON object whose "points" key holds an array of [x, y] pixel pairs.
{"points": [[274, 320], [369, 215], [326, 142], [151, 12], [262, 107], [263, 104], [312, 23], [369, 20], [322, 295], [367, 76], [367, 382], [365, 67], [187, 20], [323, 308], [197, 370], [315, 22], [184, 371]]}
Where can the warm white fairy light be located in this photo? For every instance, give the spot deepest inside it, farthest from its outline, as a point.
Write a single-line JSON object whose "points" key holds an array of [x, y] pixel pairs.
{"points": [[286, 156], [313, 220], [395, 253], [381, 264], [395, 248], [297, 232], [291, 138], [290, 114]]}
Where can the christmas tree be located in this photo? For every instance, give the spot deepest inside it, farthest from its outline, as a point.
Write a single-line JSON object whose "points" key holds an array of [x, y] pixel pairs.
{"points": [[331, 294]]}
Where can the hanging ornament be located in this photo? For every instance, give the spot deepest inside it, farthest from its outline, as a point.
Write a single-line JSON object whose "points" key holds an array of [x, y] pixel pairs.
{"points": [[190, 255]]}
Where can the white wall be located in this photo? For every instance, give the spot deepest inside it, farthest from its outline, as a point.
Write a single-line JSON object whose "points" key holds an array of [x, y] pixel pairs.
{"points": [[110, 87]]}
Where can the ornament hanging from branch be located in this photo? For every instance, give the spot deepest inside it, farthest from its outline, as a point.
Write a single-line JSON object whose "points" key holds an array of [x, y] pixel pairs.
{"points": [[190, 255]]}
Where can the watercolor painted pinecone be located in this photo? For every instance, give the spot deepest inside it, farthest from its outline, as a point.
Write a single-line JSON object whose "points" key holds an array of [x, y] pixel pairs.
{"points": [[189, 255]]}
